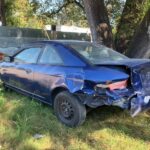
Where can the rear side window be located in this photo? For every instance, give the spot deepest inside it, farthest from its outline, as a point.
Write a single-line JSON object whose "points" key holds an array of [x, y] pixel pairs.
{"points": [[50, 56], [29, 55]]}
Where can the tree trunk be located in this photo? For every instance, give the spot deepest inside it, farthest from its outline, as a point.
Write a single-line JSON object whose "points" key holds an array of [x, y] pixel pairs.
{"points": [[132, 15], [140, 45], [2, 12], [99, 23]]}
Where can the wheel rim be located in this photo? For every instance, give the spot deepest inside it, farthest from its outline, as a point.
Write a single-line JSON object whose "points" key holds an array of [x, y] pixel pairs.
{"points": [[65, 109]]}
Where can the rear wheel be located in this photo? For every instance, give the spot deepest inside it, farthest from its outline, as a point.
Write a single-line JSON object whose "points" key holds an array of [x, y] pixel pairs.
{"points": [[69, 110]]}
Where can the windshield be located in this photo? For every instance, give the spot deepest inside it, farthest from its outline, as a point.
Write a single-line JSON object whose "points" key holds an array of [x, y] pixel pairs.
{"points": [[96, 53]]}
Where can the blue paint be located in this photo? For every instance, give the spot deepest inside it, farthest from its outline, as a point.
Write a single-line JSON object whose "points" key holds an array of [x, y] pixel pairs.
{"points": [[78, 76]]}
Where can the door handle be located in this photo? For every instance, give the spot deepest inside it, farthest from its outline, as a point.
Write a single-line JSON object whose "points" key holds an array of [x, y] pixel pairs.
{"points": [[28, 70]]}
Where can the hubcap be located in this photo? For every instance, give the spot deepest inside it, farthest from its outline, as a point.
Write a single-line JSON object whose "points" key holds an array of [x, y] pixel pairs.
{"points": [[66, 109]]}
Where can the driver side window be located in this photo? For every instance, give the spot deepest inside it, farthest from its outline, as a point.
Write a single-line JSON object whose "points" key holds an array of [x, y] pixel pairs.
{"points": [[29, 55]]}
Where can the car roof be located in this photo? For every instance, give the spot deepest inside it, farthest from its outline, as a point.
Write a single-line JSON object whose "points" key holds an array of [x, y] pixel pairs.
{"points": [[59, 41]]}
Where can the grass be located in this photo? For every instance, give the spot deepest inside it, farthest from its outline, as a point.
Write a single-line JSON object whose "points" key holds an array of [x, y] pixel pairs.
{"points": [[106, 128]]}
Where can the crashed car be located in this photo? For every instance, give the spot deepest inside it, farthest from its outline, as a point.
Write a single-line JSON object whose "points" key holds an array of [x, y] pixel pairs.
{"points": [[74, 75]]}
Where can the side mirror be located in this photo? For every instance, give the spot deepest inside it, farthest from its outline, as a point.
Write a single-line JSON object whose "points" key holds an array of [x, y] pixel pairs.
{"points": [[7, 59]]}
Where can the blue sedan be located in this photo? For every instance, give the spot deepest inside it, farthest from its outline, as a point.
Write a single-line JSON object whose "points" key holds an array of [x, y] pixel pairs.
{"points": [[73, 76]]}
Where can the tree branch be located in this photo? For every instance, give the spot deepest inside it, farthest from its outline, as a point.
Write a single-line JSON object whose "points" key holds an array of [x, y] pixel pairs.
{"points": [[50, 14], [79, 4]]}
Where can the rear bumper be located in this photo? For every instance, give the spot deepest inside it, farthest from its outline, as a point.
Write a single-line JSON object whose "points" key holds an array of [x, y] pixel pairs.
{"points": [[139, 103], [95, 99], [135, 102]]}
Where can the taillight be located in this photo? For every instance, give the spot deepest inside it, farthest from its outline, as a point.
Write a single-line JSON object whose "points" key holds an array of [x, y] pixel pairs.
{"points": [[114, 86], [118, 85]]}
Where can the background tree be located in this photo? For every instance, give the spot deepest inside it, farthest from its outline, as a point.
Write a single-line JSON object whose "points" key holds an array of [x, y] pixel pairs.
{"points": [[72, 12], [131, 18], [21, 13], [105, 17], [2, 12], [99, 22], [64, 12], [114, 9], [140, 44]]}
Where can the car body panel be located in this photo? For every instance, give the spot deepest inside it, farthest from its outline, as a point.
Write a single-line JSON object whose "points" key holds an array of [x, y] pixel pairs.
{"points": [[96, 74]]}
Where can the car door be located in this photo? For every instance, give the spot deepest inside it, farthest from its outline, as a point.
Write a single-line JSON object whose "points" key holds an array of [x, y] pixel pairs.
{"points": [[47, 72], [19, 72]]}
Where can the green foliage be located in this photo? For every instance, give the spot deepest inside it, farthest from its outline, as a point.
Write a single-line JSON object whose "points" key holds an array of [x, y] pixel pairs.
{"points": [[64, 12], [37, 13], [114, 8], [71, 12], [132, 17], [20, 13], [72, 15], [105, 128]]}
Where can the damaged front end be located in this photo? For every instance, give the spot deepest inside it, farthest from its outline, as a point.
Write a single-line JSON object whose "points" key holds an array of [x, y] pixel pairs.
{"points": [[132, 94]]}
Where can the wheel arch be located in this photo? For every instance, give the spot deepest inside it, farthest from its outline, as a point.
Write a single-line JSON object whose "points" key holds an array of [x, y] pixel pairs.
{"points": [[57, 90]]}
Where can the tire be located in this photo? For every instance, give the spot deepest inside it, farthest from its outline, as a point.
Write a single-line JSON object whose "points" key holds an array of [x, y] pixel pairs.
{"points": [[69, 110]]}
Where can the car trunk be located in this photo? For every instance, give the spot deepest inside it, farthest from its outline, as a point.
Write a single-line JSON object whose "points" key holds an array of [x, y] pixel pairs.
{"points": [[139, 80]]}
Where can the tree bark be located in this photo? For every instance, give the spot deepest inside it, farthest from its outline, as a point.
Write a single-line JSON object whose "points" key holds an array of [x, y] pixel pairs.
{"points": [[140, 45], [2, 12], [131, 18], [99, 22]]}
